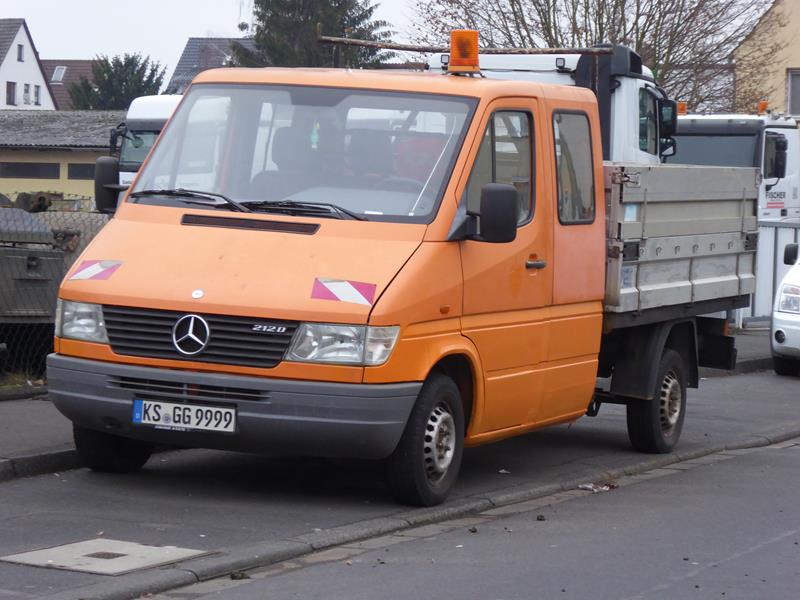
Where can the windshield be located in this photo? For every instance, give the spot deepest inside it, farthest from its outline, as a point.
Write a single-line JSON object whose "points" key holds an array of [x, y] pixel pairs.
{"points": [[716, 150], [134, 148], [384, 155]]}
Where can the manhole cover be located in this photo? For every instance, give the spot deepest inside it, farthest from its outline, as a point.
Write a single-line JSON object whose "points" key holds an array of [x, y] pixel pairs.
{"points": [[104, 557]]}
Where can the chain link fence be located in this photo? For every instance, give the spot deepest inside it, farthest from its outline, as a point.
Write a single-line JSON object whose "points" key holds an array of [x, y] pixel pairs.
{"points": [[37, 247]]}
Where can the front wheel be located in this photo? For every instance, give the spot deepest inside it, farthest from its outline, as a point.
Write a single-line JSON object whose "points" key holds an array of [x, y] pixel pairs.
{"points": [[425, 464], [785, 366], [108, 453], [654, 426]]}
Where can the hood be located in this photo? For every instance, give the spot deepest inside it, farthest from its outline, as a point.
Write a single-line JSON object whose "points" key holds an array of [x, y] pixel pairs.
{"points": [[199, 261]]}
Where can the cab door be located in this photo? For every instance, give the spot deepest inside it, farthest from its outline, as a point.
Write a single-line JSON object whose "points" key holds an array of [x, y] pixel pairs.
{"points": [[508, 286], [578, 250]]}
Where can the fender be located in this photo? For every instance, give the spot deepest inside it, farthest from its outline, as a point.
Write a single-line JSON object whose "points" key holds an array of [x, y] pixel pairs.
{"points": [[425, 346], [639, 351]]}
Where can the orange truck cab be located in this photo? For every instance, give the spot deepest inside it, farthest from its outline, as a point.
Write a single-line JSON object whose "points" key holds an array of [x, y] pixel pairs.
{"points": [[344, 263]]}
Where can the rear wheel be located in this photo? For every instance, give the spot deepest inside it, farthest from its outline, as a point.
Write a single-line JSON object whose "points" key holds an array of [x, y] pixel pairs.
{"points": [[108, 453], [654, 426], [785, 366], [425, 464]]}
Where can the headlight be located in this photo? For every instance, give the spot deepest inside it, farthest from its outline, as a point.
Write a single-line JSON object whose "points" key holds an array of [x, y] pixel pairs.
{"points": [[343, 344], [80, 321], [790, 299]]}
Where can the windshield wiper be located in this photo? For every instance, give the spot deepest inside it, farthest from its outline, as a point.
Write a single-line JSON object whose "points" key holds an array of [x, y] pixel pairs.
{"points": [[184, 193], [313, 207]]}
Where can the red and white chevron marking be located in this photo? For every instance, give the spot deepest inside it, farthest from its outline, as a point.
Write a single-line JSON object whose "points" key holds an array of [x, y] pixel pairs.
{"points": [[343, 290], [95, 269]]}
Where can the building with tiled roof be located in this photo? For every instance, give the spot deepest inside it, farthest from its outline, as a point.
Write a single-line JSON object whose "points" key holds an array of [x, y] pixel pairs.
{"points": [[61, 74], [53, 151], [23, 84], [201, 54]]}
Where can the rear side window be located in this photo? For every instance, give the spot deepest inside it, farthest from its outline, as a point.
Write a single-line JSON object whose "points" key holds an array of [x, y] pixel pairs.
{"points": [[574, 168], [648, 124], [505, 156]]}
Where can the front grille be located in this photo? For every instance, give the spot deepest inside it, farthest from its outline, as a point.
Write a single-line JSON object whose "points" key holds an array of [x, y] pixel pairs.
{"points": [[176, 390], [147, 332]]}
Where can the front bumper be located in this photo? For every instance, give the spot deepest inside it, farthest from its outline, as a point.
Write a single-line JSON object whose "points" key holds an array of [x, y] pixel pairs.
{"points": [[273, 415], [789, 324]]}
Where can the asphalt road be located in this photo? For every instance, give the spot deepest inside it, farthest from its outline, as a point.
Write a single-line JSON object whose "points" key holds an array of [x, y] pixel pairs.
{"points": [[216, 501], [726, 529]]}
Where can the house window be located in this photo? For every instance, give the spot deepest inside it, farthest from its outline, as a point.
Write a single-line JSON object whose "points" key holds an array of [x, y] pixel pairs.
{"points": [[29, 170], [58, 75], [26, 93], [37, 95], [80, 171], [794, 91], [20, 53], [11, 93]]}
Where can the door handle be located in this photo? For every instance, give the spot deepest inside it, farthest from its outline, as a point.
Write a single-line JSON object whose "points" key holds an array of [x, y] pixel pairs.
{"points": [[535, 264]]}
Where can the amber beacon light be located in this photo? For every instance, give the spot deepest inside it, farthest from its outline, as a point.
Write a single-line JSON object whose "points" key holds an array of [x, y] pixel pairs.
{"points": [[463, 51]]}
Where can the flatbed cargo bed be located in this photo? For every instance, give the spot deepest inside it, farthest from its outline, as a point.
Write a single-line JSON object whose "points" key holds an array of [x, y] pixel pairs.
{"points": [[681, 240]]}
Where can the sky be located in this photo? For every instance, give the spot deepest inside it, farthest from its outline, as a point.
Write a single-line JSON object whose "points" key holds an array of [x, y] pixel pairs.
{"points": [[159, 28]]}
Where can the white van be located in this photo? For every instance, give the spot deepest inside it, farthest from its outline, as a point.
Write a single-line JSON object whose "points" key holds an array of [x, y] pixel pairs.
{"points": [[786, 318]]}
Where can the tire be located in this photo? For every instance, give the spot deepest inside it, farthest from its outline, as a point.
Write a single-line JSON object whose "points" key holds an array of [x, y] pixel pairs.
{"points": [[789, 367], [426, 462], [107, 453], [654, 426]]}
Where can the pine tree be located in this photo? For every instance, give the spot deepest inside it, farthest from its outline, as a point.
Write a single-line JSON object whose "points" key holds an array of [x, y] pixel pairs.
{"points": [[116, 82], [286, 34]]}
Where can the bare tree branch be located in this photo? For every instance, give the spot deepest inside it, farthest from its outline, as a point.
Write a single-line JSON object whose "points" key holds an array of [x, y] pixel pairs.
{"points": [[689, 44]]}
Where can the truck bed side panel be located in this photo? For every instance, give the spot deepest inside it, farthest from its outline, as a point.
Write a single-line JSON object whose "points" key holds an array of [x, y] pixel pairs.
{"points": [[678, 235]]}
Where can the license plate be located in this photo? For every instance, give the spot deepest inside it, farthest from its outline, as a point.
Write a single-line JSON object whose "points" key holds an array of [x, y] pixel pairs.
{"points": [[184, 417]]}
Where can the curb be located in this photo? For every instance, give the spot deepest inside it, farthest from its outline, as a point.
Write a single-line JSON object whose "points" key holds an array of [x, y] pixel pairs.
{"points": [[22, 392], [38, 464], [243, 558]]}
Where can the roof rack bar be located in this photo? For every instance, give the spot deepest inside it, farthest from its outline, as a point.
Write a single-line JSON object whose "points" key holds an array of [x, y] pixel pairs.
{"points": [[339, 41]]}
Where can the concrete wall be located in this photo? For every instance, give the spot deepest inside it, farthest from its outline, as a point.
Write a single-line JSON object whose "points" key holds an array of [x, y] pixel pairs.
{"points": [[69, 187], [25, 72], [775, 72]]}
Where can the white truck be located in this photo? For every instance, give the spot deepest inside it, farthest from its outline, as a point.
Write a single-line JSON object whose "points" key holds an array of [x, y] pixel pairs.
{"points": [[637, 118], [144, 121], [741, 140]]}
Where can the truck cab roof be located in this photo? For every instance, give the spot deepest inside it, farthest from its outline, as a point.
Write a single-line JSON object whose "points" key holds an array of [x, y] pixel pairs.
{"points": [[419, 82], [147, 108]]}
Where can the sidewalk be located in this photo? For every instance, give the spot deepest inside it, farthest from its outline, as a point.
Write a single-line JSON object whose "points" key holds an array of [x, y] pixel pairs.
{"points": [[35, 438]]}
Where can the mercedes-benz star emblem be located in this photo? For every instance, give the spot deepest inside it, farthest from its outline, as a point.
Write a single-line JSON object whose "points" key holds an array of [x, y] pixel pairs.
{"points": [[190, 335]]}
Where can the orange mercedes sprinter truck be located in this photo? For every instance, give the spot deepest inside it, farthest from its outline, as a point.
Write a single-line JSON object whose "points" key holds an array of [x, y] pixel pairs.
{"points": [[393, 266]]}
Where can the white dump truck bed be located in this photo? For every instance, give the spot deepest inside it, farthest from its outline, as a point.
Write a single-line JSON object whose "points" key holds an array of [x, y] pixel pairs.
{"points": [[678, 236]]}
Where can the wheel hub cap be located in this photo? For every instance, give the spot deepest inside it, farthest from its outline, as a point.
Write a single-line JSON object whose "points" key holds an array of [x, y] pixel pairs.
{"points": [[439, 442], [670, 402]]}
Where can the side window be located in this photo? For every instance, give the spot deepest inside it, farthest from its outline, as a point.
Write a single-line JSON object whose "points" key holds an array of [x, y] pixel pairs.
{"points": [[574, 168], [648, 124], [505, 156]]}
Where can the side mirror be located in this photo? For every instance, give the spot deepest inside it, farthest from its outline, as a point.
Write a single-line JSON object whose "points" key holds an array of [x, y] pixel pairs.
{"points": [[790, 254], [117, 133], [106, 184], [668, 115], [669, 146], [498, 216], [775, 147]]}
